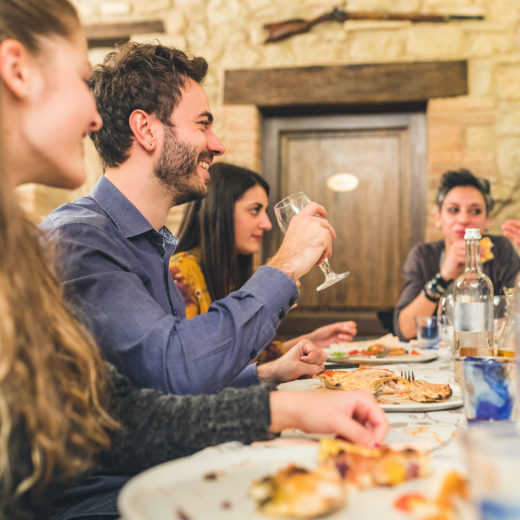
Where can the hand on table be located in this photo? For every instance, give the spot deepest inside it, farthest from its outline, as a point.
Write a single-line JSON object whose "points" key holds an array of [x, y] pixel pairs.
{"points": [[308, 242], [511, 230], [353, 415], [304, 359]]}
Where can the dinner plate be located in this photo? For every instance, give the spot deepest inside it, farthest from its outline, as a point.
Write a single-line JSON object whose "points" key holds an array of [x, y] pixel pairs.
{"points": [[423, 357], [216, 485], [455, 401]]}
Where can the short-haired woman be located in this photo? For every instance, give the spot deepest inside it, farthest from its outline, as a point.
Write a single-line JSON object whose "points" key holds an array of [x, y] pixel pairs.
{"points": [[463, 201]]}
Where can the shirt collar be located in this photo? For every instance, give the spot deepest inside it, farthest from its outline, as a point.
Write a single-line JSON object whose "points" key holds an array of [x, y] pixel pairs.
{"points": [[129, 220]]}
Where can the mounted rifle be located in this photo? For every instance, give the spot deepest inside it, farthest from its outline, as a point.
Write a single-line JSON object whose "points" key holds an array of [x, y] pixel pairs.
{"points": [[282, 30]]}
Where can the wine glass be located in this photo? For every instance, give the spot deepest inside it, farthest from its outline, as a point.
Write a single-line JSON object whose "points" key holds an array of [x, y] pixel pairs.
{"points": [[285, 211], [445, 321]]}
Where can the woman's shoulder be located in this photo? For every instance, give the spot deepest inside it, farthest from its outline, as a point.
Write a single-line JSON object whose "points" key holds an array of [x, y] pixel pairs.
{"points": [[190, 256], [426, 249], [500, 241]]}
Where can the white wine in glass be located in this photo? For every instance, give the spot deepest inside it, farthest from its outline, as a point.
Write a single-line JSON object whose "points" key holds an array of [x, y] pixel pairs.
{"points": [[285, 211]]}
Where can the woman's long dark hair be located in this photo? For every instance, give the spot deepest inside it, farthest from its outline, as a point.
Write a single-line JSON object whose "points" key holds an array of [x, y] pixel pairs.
{"points": [[209, 224]]}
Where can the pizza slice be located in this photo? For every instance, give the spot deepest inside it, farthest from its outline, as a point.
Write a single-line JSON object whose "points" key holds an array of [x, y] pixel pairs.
{"points": [[485, 249], [366, 468], [378, 381], [385, 385], [296, 492]]}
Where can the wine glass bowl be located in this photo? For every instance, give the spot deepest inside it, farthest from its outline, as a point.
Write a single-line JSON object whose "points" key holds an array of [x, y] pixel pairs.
{"points": [[284, 212]]}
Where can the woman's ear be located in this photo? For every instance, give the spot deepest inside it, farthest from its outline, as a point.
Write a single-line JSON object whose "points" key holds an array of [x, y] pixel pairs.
{"points": [[142, 125], [15, 68]]}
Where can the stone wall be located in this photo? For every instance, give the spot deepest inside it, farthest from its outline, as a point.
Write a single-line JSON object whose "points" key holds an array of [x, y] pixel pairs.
{"points": [[480, 131]]}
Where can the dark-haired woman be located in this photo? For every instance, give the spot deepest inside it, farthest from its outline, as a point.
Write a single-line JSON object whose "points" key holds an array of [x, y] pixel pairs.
{"points": [[463, 201], [217, 240]]}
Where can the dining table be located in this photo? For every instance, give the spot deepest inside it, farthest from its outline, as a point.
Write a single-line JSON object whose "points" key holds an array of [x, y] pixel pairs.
{"points": [[214, 483]]}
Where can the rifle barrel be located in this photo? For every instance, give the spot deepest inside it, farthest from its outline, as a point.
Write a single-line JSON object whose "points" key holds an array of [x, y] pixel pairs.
{"points": [[282, 30]]}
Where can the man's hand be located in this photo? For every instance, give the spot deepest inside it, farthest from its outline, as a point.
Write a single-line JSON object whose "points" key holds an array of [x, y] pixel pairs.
{"points": [[454, 260], [304, 359], [324, 336], [353, 415], [308, 242], [511, 230], [333, 333]]}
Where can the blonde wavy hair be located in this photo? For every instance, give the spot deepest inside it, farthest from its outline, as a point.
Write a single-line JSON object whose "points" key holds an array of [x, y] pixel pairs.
{"points": [[52, 377]]}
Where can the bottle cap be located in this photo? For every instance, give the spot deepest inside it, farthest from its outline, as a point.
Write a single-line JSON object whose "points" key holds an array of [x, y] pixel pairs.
{"points": [[472, 233]]}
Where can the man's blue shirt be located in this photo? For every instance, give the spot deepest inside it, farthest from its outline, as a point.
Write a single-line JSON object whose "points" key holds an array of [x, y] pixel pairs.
{"points": [[114, 269]]}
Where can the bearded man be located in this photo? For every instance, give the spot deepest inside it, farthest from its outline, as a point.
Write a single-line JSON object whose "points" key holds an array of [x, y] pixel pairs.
{"points": [[156, 145]]}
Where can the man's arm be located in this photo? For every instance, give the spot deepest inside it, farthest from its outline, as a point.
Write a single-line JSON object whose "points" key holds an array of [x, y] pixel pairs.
{"points": [[142, 337]]}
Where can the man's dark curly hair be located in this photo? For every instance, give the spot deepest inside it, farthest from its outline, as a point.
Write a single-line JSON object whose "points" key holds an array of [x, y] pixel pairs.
{"points": [[463, 177], [136, 76]]}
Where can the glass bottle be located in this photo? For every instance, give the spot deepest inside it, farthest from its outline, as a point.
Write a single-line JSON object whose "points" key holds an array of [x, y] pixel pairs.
{"points": [[506, 343], [516, 325], [473, 304]]}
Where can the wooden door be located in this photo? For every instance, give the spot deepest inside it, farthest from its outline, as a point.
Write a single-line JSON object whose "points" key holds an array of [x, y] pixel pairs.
{"points": [[377, 222]]}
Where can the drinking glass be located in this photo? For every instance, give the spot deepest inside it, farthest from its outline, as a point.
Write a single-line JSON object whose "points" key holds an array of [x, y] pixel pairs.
{"points": [[445, 321], [285, 211], [499, 315], [427, 332]]}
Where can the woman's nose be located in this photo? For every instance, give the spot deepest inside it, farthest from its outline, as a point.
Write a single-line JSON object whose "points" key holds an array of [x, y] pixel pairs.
{"points": [[266, 222], [96, 122]]}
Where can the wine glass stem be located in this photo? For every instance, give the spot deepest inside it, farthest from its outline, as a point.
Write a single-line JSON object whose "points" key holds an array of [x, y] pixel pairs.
{"points": [[325, 267]]}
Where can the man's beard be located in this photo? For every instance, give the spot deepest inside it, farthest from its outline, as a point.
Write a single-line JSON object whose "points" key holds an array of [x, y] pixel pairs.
{"points": [[176, 168]]}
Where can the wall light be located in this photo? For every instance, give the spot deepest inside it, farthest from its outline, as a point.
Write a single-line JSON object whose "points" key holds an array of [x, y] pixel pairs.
{"points": [[342, 182]]}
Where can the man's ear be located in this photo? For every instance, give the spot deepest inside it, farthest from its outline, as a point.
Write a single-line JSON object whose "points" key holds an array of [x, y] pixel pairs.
{"points": [[15, 68], [143, 126]]}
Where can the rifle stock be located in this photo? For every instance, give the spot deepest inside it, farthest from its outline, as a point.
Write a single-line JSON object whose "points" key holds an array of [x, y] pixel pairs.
{"points": [[282, 30]]}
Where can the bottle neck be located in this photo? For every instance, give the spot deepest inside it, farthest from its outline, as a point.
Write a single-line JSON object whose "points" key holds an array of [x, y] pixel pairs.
{"points": [[472, 254]]}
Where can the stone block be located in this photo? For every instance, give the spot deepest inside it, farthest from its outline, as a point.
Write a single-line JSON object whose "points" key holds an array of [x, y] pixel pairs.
{"points": [[480, 77], [376, 46], [115, 9], [508, 118], [444, 137], [508, 156], [479, 138], [508, 82], [434, 41], [487, 44], [147, 7]]}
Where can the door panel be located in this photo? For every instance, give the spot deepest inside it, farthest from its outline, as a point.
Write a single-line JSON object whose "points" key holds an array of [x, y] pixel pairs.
{"points": [[373, 222]]}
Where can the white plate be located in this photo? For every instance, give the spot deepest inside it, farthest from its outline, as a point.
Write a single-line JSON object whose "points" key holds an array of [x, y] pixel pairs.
{"points": [[179, 488], [423, 357], [455, 401]]}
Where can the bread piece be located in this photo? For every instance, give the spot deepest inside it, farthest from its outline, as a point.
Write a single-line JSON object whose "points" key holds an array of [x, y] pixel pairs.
{"points": [[296, 492]]}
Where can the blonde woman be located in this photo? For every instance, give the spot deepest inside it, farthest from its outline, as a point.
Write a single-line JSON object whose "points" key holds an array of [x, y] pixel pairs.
{"points": [[66, 418]]}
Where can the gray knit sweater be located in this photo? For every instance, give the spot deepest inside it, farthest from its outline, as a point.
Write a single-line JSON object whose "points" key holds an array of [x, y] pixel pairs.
{"points": [[157, 427]]}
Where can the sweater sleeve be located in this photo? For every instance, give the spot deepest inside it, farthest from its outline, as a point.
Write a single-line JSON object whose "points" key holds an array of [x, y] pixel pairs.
{"points": [[157, 427], [417, 270]]}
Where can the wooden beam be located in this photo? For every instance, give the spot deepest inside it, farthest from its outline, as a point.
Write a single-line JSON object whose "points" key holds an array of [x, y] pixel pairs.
{"points": [[349, 84], [108, 34]]}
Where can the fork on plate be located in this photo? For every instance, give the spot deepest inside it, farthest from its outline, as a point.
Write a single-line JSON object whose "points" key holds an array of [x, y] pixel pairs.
{"points": [[408, 374]]}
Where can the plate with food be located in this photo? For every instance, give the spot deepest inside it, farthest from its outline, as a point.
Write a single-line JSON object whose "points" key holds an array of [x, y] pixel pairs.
{"points": [[393, 392], [381, 351], [334, 478]]}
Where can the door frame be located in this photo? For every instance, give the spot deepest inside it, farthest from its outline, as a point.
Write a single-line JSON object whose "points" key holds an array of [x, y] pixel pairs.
{"points": [[415, 122]]}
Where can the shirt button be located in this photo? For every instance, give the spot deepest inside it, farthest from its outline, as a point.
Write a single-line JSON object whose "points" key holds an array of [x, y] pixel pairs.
{"points": [[281, 316]]}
